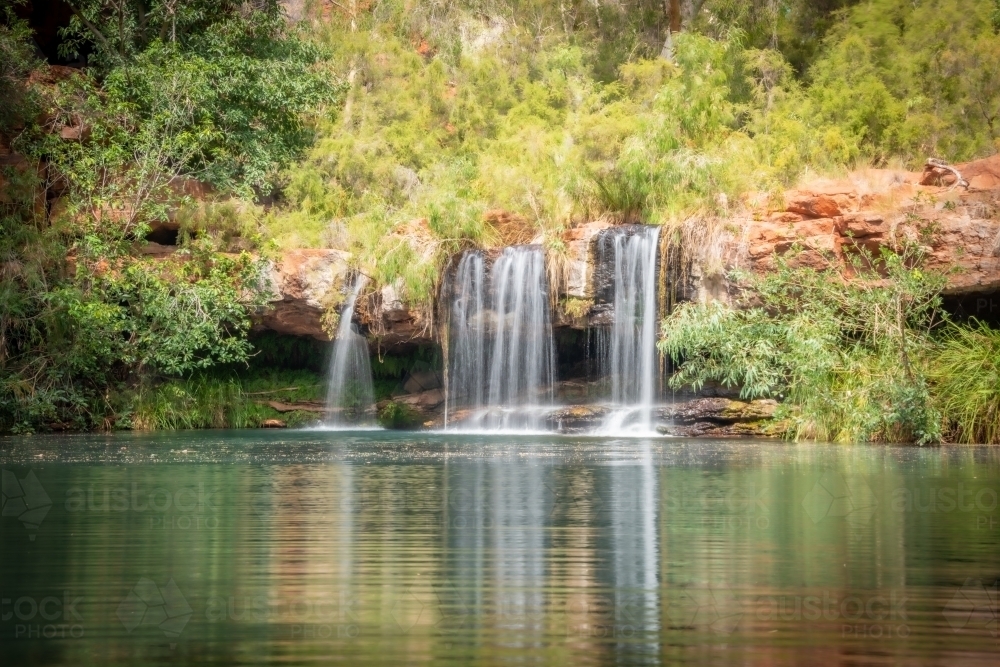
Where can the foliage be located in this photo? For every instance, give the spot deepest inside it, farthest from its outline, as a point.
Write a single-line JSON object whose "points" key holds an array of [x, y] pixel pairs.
{"points": [[229, 78], [111, 322], [217, 400], [17, 59], [577, 308], [965, 370], [84, 318], [292, 353], [456, 113], [912, 79], [426, 128], [848, 356], [398, 416]]}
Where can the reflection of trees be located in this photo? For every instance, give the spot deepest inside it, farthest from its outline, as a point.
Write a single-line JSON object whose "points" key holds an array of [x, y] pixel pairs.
{"points": [[481, 555]]}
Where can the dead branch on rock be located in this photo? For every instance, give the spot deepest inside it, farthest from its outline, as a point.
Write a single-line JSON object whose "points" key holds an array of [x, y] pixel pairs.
{"points": [[936, 163]]}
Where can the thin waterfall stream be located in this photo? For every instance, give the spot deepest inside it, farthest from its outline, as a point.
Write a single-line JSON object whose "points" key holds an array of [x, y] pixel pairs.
{"points": [[628, 351], [350, 397]]}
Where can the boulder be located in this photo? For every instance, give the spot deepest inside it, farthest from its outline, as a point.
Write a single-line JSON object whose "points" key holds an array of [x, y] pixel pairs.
{"points": [[811, 204], [718, 417], [577, 419], [718, 410], [422, 381], [425, 401], [979, 174]]}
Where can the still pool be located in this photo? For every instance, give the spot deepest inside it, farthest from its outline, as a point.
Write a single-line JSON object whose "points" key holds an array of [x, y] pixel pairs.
{"points": [[263, 547]]}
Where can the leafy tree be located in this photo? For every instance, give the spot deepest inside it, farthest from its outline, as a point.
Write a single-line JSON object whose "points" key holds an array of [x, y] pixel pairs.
{"points": [[231, 77], [221, 92], [912, 79], [17, 59]]}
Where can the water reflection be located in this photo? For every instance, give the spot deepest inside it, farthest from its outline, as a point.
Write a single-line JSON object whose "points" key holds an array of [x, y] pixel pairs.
{"points": [[236, 548]]}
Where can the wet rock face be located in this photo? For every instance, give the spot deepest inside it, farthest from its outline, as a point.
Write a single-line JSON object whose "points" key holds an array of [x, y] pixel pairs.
{"points": [[698, 417], [579, 265], [603, 254], [392, 324], [703, 417], [305, 284], [718, 417]]}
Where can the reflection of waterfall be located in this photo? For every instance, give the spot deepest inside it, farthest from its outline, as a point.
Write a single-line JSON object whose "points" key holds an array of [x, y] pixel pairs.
{"points": [[350, 396], [635, 562], [627, 349], [502, 364], [498, 546]]}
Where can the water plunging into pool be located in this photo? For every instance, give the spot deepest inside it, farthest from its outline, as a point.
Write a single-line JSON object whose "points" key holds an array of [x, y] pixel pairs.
{"points": [[350, 397], [628, 347], [501, 370]]}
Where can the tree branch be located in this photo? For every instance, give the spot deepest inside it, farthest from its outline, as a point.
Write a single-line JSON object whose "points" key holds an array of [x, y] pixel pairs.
{"points": [[92, 28]]}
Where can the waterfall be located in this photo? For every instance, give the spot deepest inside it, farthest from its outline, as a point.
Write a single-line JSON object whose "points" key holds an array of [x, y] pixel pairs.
{"points": [[502, 361], [350, 397], [467, 343], [628, 351]]}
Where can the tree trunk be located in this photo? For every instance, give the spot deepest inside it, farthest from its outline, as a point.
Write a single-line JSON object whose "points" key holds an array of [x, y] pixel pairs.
{"points": [[675, 15]]}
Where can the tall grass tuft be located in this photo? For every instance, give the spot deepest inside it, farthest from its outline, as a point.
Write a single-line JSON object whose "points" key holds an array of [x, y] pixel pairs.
{"points": [[196, 403], [211, 401], [966, 373]]}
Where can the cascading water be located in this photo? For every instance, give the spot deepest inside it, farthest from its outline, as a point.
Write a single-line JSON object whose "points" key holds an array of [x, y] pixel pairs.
{"points": [[502, 363], [628, 348], [350, 396], [467, 342]]}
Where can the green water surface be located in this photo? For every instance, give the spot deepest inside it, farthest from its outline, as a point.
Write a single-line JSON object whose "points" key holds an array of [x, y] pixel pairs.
{"points": [[263, 547]]}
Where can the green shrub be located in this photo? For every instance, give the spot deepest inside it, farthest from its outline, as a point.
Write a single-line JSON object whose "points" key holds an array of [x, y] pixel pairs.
{"points": [[398, 416], [848, 358]]}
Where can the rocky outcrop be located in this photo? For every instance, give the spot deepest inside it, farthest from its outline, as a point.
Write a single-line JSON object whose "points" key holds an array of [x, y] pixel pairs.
{"points": [[579, 260], [699, 417], [305, 284], [392, 324], [719, 417], [827, 221]]}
